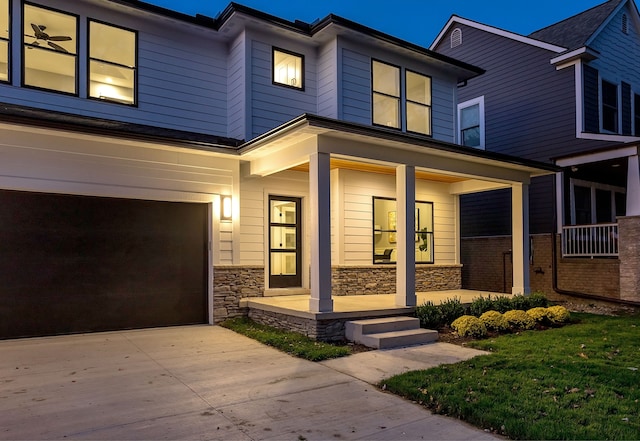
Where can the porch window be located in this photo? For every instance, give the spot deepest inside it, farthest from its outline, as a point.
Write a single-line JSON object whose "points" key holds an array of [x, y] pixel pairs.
{"points": [[471, 123], [288, 69], [385, 233], [609, 107], [50, 49], [4, 40], [636, 114], [418, 105], [386, 94], [595, 203], [112, 63]]}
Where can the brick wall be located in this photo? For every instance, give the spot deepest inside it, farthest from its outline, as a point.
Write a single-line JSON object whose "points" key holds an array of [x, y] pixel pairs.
{"points": [[629, 248]]}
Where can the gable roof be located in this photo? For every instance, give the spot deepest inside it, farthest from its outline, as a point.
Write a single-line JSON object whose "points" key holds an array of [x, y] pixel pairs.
{"points": [[576, 31]]}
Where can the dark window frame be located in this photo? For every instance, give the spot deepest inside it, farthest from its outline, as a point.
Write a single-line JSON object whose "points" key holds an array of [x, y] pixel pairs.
{"points": [[273, 69], [609, 107], [399, 97], [407, 101]]}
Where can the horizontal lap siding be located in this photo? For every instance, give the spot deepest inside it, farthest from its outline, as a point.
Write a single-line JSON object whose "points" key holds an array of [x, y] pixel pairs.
{"points": [[237, 90], [356, 87], [328, 81]]}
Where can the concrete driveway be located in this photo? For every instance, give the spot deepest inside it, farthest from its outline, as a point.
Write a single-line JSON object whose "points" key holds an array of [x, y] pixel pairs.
{"points": [[192, 383]]}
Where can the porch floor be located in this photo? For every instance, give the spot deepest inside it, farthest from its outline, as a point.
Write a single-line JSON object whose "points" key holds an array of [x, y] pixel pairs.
{"points": [[357, 306]]}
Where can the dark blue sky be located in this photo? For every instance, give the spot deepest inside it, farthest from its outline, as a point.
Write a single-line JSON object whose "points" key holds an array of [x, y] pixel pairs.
{"points": [[417, 21]]}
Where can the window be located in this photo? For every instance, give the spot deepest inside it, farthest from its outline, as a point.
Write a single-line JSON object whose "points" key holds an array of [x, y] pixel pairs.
{"points": [[4, 40], [418, 105], [288, 69], [385, 234], [386, 94], [285, 242], [471, 123], [636, 114], [112, 63], [609, 107], [49, 49], [456, 37], [595, 203]]}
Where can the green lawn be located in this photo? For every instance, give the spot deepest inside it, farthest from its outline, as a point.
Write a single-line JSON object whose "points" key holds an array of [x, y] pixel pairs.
{"points": [[580, 381]]}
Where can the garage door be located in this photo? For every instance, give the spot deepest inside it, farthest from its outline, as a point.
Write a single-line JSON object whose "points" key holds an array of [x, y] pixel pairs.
{"points": [[73, 264]]}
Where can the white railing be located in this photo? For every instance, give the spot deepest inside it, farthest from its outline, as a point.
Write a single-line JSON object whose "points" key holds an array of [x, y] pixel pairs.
{"points": [[590, 240]]}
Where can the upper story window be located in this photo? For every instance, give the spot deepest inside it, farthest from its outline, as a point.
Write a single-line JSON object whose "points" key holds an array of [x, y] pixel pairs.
{"points": [[288, 69], [418, 105], [456, 37], [609, 107], [4, 40], [471, 123], [112, 63], [636, 114], [50, 49], [386, 94]]}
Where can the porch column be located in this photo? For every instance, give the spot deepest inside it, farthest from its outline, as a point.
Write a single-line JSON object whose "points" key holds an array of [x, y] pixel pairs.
{"points": [[320, 229], [633, 186], [405, 233], [520, 237]]}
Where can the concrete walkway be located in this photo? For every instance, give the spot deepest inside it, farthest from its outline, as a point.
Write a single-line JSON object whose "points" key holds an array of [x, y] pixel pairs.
{"points": [[204, 382]]}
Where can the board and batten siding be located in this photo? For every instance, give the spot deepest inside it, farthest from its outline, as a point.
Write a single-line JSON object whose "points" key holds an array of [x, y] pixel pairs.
{"points": [[182, 82]]}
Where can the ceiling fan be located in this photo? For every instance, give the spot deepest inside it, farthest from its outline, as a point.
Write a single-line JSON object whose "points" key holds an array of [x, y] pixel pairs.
{"points": [[40, 34]]}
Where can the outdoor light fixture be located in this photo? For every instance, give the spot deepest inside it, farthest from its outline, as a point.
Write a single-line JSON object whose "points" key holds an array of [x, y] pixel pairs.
{"points": [[225, 208]]}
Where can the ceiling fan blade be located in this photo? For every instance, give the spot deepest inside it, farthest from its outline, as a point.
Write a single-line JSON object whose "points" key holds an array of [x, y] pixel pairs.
{"points": [[59, 38], [57, 47], [36, 30]]}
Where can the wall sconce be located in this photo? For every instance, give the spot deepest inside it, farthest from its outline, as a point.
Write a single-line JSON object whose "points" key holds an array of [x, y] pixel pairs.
{"points": [[225, 208]]}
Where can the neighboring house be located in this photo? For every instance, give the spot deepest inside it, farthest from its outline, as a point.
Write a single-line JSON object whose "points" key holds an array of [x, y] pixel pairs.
{"points": [[155, 168], [567, 94]]}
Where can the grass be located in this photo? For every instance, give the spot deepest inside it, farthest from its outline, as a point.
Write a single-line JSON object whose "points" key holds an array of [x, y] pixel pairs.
{"points": [[292, 343], [580, 381]]}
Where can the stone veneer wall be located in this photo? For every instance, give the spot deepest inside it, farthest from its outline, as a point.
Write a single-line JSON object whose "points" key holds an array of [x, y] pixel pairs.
{"points": [[381, 279], [629, 249], [230, 284]]}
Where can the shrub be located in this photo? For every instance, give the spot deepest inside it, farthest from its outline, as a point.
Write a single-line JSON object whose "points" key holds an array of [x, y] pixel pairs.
{"points": [[558, 314], [538, 299], [502, 304], [519, 319], [451, 309], [429, 315], [494, 320], [539, 314], [468, 325], [480, 305], [519, 301]]}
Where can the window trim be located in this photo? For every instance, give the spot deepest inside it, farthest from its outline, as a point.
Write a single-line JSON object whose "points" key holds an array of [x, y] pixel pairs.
{"points": [[273, 69], [602, 107], [469, 103], [89, 59], [407, 101], [9, 42], [399, 97]]}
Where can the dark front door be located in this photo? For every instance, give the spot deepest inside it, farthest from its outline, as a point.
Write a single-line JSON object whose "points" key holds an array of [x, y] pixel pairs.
{"points": [[285, 238], [73, 264]]}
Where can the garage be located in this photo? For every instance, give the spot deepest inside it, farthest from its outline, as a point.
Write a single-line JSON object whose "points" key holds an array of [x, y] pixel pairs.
{"points": [[71, 264]]}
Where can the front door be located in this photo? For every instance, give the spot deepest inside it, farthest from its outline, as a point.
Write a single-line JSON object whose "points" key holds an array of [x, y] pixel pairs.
{"points": [[285, 238]]}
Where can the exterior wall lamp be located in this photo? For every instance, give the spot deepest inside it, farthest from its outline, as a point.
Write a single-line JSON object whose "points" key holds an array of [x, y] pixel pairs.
{"points": [[225, 208]]}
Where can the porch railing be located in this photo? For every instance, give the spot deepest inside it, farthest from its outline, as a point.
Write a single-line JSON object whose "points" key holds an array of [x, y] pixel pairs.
{"points": [[590, 240]]}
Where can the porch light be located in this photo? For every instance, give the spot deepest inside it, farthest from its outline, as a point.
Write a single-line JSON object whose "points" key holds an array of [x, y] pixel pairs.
{"points": [[225, 208]]}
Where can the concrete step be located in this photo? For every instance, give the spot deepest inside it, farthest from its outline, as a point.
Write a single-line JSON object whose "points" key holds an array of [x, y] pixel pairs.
{"points": [[395, 339], [357, 328], [389, 332]]}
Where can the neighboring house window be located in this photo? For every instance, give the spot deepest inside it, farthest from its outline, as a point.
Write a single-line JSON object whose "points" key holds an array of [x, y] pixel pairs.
{"points": [[471, 123], [456, 37], [385, 231], [636, 114], [594, 203], [4, 40], [418, 105], [50, 49], [609, 107], [386, 94], [288, 69], [112, 63]]}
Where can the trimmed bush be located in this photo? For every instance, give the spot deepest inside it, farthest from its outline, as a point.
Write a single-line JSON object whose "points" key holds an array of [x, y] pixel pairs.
{"points": [[468, 325], [539, 314], [558, 314], [518, 319], [494, 320], [502, 304], [451, 309], [480, 305], [429, 315], [538, 299]]}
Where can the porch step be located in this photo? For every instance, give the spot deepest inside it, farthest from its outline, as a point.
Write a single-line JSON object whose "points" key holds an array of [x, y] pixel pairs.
{"points": [[389, 332]]}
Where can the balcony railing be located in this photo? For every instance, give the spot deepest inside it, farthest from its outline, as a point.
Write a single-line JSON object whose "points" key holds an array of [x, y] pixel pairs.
{"points": [[590, 240]]}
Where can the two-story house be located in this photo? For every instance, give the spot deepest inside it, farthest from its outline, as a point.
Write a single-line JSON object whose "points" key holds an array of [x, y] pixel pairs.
{"points": [[567, 94], [158, 168]]}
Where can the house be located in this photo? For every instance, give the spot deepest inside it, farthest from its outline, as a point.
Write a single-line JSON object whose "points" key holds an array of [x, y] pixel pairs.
{"points": [[567, 94], [160, 169]]}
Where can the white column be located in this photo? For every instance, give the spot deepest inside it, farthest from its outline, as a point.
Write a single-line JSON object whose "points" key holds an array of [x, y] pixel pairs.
{"points": [[405, 234], [520, 237], [320, 229], [559, 202], [633, 186]]}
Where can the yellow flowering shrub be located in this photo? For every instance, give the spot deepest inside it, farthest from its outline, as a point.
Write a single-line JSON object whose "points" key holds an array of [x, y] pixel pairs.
{"points": [[519, 319], [558, 314], [468, 325], [494, 320], [539, 314]]}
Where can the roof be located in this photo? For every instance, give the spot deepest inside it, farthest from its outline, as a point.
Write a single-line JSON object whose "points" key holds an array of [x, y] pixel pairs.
{"points": [[576, 31]]}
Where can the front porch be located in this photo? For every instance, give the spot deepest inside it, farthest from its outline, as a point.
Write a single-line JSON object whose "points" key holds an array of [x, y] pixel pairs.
{"points": [[293, 312]]}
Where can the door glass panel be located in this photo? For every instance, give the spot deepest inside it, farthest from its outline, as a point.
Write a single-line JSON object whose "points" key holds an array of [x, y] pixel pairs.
{"points": [[283, 264], [283, 212], [283, 238]]}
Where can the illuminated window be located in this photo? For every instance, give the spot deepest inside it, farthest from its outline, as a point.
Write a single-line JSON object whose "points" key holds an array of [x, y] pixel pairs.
{"points": [[4, 40], [50, 49], [112, 63], [288, 69], [418, 103], [386, 94]]}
